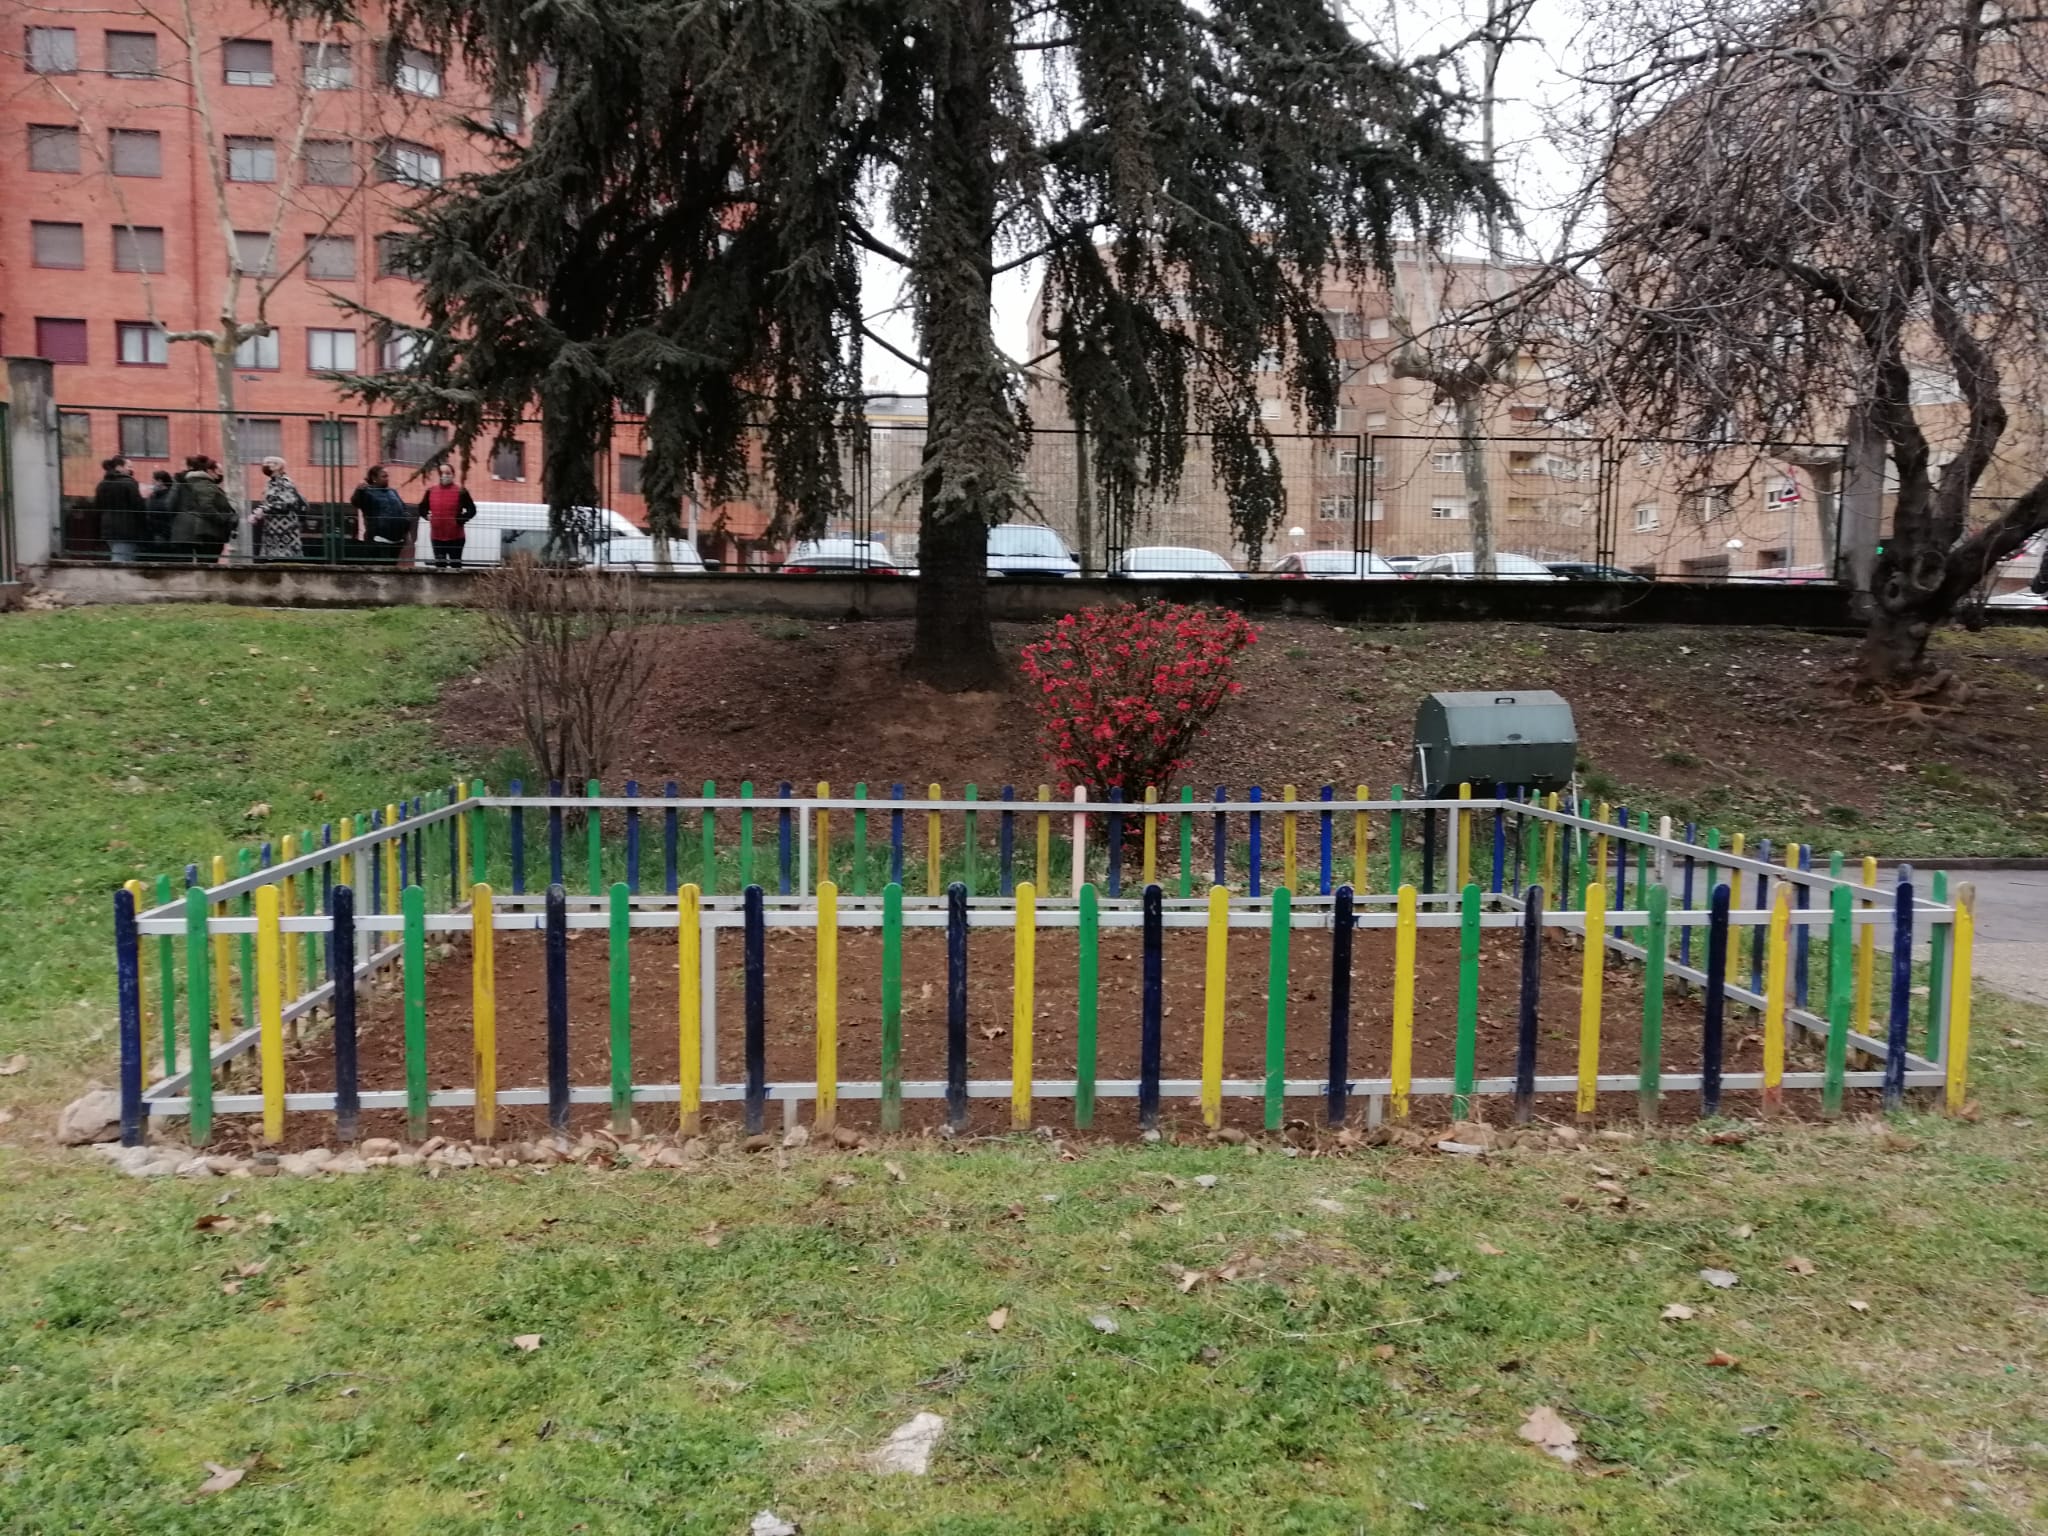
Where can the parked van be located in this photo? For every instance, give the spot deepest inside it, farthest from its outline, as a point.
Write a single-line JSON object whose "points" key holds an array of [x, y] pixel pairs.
{"points": [[501, 527]]}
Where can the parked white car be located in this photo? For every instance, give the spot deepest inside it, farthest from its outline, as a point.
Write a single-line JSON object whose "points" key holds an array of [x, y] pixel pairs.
{"points": [[1163, 561], [1029, 549], [1461, 564], [1336, 565], [837, 556], [501, 527]]}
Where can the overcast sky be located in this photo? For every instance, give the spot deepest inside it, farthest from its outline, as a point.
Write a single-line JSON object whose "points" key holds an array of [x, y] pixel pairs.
{"points": [[1534, 83]]}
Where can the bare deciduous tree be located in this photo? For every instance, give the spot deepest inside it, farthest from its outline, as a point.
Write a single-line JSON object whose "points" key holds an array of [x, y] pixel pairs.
{"points": [[1826, 215], [579, 656]]}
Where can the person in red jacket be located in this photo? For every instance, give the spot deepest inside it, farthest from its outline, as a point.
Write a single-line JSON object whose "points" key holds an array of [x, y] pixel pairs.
{"points": [[447, 508]]}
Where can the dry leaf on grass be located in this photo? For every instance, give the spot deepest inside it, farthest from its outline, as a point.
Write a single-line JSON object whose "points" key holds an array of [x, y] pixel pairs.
{"points": [[1329, 1207], [1444, 1276], [1858, 1306], [1676, 1312], [252, 1270], [1799, 1265], [214, 1221], [1722, 1358], [14, 1065], [1102, 1322], [1483, 1246], [998, 1320], [1721, 1279], [526, 1342], [895, 1171], [1545, 1429], [223, 1478]]}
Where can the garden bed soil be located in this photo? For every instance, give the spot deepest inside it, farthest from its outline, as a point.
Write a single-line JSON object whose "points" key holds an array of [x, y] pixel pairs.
{"points": [[791, 1004], [1744, 729]]}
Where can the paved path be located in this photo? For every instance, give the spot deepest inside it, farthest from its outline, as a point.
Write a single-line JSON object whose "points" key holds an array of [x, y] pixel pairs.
{"points": [[2012, 929]]}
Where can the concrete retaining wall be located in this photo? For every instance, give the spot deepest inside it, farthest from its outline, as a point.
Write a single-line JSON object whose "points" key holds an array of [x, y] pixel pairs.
{"points": [[1373, 602]]}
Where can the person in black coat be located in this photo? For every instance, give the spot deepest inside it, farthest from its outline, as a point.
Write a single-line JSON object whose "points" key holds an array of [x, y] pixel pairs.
{"points": [[118, 501], [157, 508]]}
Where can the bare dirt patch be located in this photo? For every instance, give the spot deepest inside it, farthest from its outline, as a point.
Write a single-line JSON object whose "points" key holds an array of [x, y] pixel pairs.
{"points": [[791, 1003], [1747, 730]]}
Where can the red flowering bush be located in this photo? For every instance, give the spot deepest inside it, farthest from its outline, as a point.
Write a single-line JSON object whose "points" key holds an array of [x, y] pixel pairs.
{"points": [[1122, 692]]}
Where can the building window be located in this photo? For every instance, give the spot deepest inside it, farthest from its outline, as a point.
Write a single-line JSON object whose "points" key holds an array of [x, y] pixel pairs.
{"points": [[410, 165], [1447, 508], [1523, 462], [53, 50], [252, 160], [145, 437], [1375, 419], [508, 115], [416, 72], [1711, 503], [1782, 492], [135, 152], [331, 257], [1646, 516], [331, 351], [74, 435], [629, 474], [1448, 463], [329, 163], [327, 66], [58, 245], [400, 351], [1336, 509], [333, 444], [257, 351], [1375, 510], [138, 249], [52, 148], [508, 459], [1377, 373], [1269, 410], [247, 61], [131, 55], [1649, 453], [141, 345], [259, 437], [391, 257], [1344, 324], [255, 253], [413, 445], [61, 341], [1377, 328]]}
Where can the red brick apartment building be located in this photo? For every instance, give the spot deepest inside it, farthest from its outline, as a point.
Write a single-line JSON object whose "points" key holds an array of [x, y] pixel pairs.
{"points": [[144, 171]]}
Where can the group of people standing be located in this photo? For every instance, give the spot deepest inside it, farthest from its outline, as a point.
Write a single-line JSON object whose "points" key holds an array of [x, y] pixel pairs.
{"points": [[191, 517]]}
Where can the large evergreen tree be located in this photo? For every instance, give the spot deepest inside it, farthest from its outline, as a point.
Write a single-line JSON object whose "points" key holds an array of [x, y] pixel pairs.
{"points": [[689, 223]]}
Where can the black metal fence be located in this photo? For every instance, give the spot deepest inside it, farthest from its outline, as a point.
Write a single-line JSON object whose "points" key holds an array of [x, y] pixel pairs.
{"points": [[1373, 503]]}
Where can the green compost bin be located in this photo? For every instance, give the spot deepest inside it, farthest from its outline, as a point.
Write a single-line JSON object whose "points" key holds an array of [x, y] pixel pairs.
{"points": [[1524, 739]]}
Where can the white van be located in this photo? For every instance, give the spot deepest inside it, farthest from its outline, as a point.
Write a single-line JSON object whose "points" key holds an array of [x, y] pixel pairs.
{"points": [[500, 527]]}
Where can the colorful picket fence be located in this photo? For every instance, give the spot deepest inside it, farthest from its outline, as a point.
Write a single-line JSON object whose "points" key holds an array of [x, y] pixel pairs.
{"points": [[301, 932]]}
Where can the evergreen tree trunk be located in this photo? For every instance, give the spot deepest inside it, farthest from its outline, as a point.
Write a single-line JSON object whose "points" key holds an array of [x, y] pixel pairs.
{"points": [[953, 648]]}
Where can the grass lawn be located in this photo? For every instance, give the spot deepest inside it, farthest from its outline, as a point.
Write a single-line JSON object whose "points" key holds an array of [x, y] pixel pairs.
{"points": [[135, 741], [735, 1336]]}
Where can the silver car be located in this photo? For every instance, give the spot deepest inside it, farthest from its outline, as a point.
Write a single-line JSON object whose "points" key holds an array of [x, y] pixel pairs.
{"points": [[1029, 549], [1158, 562], [1336, 565], [1506, 567], [837, 556]]}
